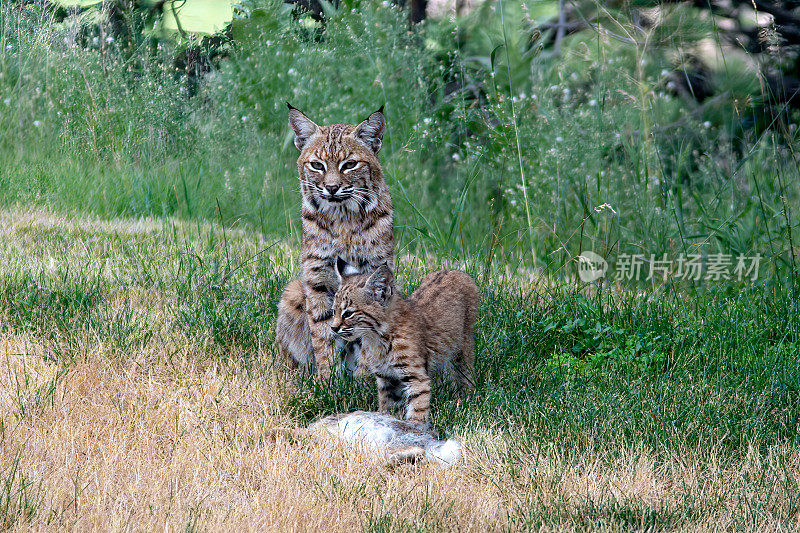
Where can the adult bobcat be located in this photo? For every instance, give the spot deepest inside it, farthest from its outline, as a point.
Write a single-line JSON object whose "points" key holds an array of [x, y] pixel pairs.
{"points": [[405, 341], [347, 212]]}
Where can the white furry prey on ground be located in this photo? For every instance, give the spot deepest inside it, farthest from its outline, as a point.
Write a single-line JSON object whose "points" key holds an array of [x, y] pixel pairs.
{"points": [[388, 439]]}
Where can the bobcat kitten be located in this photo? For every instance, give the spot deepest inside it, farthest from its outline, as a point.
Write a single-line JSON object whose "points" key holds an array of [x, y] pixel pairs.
{"points": [[347, 212], [405, 341]]}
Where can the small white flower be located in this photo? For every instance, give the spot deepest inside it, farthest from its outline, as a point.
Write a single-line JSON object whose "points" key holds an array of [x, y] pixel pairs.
{"points": [[592, 102], [95, 40], [559, 139], [7, 101], [605, 206], [664, 72], [706, 124], [426, 120], [291, 72], [456, 157], [617, 135], [37, 123], [244, 118], [109, 39]]}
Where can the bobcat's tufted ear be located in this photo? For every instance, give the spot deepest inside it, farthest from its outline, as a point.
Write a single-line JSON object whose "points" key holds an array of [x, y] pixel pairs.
{"points": [[370, 132], [380, 284], [345, 269], [304, 128]]}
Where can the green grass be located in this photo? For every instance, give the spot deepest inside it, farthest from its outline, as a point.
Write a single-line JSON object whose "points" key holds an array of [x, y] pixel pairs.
{"points": [[603, 371], [712, 372]]}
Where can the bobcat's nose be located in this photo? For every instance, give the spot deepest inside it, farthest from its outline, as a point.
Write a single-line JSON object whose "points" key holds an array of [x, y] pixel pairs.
{"points": [[335, 329], [332, 189]]}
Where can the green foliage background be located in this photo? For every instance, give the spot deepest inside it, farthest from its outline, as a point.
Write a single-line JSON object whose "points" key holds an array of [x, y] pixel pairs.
{"points": [[482, 116]]}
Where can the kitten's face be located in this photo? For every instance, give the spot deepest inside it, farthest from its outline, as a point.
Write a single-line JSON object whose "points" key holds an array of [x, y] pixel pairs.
{"points": [[361, 303], [355, 313], [338, 164]]}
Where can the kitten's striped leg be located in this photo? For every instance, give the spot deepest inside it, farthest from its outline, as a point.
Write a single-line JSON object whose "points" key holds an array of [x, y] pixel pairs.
{"points": [[463, 373], [418, 394]]}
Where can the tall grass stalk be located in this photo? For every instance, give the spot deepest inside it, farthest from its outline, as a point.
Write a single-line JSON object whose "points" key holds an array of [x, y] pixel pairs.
{"points": [[516, 138]]}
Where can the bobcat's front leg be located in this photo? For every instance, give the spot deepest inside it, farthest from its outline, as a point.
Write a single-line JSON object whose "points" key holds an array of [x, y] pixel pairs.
{"points": [[318, 308], [418, 396]]}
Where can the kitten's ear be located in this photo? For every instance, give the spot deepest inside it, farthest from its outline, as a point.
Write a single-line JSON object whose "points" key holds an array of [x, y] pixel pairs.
{"points": [[380, 284], [345, 269], [370, 132], [304, 128]]}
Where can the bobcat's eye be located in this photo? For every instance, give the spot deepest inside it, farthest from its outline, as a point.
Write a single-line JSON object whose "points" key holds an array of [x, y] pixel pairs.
{"points": [[347, 165], [347, 313], [316, 165]]}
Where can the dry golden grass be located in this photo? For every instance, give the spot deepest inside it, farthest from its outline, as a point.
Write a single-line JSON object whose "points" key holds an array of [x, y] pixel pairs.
{"points": [[154, 441], [145, 446]]}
